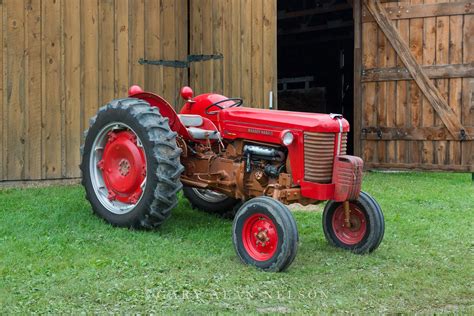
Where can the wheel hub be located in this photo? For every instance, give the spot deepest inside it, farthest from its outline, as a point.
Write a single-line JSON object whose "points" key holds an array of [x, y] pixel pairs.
{"points": [[123, 167], [355, 223], [358, 225], [260, 237]]}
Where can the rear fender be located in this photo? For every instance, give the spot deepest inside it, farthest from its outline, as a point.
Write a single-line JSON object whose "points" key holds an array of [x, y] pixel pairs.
{"points": [[166, 110]]}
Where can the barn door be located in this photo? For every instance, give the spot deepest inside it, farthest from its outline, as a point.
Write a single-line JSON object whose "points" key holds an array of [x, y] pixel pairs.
{"points": [[417, 81], [244, 32]]}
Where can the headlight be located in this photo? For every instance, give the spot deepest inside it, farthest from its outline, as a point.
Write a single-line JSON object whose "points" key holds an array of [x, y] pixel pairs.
{"points": [[287, 138]]}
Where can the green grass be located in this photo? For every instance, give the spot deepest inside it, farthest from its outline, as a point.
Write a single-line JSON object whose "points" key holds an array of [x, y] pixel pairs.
{"points": [[55, 256]]}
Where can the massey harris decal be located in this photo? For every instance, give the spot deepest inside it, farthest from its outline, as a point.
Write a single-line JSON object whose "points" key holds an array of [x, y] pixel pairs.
{"points": [[259, 131]]}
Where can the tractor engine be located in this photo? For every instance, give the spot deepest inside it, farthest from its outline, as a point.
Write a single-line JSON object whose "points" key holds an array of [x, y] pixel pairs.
{"points": [[241, 170]]}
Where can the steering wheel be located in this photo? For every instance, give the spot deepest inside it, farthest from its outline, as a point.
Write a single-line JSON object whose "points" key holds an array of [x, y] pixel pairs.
{"points": [[237, 102]]}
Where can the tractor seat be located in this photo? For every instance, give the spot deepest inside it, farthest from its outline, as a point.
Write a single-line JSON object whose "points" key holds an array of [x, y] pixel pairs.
{"points": [[193, 122]]}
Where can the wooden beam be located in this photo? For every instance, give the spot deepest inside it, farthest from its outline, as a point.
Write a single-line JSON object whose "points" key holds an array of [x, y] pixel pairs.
{"points": [[433, 72], [404, 11], [446, 114], [421, 167], [315, 11], [408, 133], [358, 108]]}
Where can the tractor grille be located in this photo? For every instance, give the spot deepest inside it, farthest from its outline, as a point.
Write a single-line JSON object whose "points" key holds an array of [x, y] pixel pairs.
{"points": [[319, 155]]}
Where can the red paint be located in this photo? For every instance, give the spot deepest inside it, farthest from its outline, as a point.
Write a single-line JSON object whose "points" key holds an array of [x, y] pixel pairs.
{"points": [[186, 93], [281, 120], [135, 89], [260, 237], [123, 167], [358, 229], [347, 175], [166, 110]]}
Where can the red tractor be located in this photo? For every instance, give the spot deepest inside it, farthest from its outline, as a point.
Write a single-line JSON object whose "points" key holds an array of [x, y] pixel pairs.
{"points": [[139, 153]]}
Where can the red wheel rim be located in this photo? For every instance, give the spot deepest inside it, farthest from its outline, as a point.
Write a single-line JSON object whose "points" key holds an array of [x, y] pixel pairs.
{"points": [[356, 232], [260, 237], [123, 167]]}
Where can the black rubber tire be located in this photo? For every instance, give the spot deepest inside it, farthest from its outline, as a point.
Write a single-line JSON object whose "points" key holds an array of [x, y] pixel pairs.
{"points": [[163, 163], [375, 225], [225, 208], [286, 227]]}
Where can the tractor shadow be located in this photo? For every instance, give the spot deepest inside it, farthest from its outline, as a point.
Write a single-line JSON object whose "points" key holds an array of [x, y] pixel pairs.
{"points": [[186, 222]]}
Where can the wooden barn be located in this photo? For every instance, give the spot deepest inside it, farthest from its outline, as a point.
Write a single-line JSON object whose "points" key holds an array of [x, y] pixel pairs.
{"points": [[401, 72]]}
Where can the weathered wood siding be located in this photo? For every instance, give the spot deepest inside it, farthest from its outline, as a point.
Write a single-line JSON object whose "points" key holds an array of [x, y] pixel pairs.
{"points": [[399, 126], [62, 59], [244, 32]]}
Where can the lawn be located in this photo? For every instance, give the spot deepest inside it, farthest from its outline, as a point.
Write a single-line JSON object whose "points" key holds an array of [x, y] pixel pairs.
{"points": [[55, 256]]}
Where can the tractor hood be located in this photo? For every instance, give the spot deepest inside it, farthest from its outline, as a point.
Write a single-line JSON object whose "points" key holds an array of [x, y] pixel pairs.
{"points": [[232, 118]]}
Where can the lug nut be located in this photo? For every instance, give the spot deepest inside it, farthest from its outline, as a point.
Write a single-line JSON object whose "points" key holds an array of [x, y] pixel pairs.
{"points": [[112, 196], [100, 165]]}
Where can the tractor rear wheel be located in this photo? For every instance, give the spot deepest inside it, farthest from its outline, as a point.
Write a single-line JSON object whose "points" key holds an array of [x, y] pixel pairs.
{"points": [[265, 235], [366, 229], [211, 201], [130, 164]]}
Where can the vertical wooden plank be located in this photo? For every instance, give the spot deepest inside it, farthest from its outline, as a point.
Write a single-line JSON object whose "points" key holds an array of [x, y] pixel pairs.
{"points": [[207, 45], [390, 100], [72, 85], [429, 58], [257, 54], [455, 84], [168, 35], [369, 60], [227, 47], [90, 59], [137, 41], [381, 88], [468, 90], [2, 111], [121, 48], [358, 109], [269, 51], [442, 57], [196, 45], [402, 97], [246, 47], [51, 83], [217, 40], [181, 48], [468, 83], [15, 93], [106, 51], [415, 95], [4, 89], [153, 41], [235, 48], [274, 34], [33, 88], [62, 87]]}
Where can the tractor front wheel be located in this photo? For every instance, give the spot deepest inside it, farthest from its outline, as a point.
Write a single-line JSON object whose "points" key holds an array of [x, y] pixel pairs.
{"points": [[264, 234], [365, 229], [131, 164]]}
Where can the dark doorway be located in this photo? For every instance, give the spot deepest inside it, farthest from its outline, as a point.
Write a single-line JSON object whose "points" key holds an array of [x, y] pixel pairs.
{"points": [[316, 57]]}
